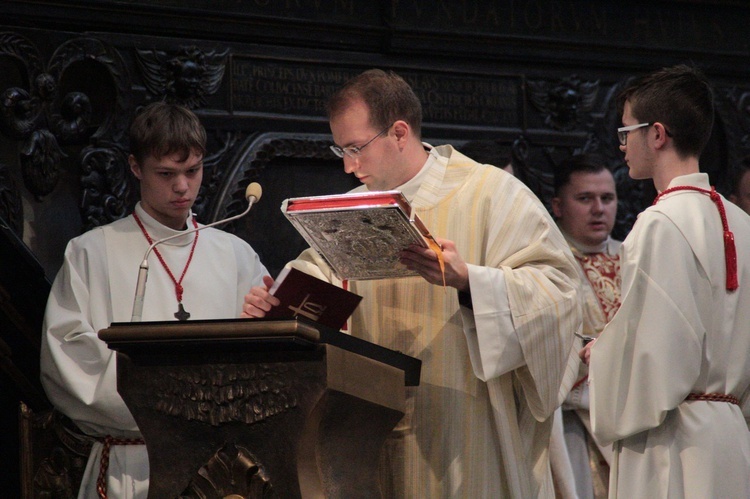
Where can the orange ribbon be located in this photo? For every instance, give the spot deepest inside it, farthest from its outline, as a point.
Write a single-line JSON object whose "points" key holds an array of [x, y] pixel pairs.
{"points": [[434, 246]]}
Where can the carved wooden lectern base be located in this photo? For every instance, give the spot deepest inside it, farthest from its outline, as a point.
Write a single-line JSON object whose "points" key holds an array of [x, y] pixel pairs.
{"points": [[255, 408]]}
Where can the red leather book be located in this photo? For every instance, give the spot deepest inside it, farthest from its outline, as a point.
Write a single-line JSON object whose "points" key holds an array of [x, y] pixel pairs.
{"points": [[303, 295]]}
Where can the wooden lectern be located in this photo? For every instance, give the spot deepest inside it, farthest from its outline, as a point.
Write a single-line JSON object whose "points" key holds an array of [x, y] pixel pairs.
{"points": [[259, 408]]}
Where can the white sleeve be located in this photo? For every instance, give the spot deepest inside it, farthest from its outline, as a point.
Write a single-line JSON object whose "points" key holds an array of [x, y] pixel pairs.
{"points": [[78, 370], [494, 347]]}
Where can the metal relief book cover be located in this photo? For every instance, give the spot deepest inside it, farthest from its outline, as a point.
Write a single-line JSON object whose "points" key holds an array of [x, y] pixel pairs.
{"points": [[359, 234], [303, 295]]}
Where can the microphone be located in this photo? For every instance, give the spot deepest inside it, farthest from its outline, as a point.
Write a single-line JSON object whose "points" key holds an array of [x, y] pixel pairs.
{"points": [[252, 194]]}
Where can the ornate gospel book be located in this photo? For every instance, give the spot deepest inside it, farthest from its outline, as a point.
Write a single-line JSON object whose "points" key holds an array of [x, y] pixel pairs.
{"points": [[359, 234]]}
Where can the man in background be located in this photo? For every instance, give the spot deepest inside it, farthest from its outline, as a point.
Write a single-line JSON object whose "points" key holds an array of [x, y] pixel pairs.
{"points": [[199, 275], [495, 341], [492, 152], [585, 207], [741, 187]]}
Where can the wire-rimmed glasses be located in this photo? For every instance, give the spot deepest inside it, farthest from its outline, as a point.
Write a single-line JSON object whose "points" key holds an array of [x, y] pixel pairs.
{"points": [[355, 151]]}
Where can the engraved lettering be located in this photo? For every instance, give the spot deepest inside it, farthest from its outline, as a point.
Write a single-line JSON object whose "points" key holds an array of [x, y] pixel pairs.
{"points": [[533, 16], [446, 11], [345, 6], [493, 18], [577, 21], [556, 21], [470, 14], [641, 28], [574, 20], [717, 30], [599, 16], [413, 4], [276, 87]]}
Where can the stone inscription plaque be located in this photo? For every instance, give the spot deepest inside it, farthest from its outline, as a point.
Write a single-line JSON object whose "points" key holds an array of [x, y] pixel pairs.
{"points": [[263, 86], [682, 24], [468, 100], [353, 11], [718, 25], [290, 88]]}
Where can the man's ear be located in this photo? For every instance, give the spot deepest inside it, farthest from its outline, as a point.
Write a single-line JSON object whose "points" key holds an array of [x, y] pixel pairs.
{"points": [[134, 167], [660, 137], [401, 130], [555, 203]]}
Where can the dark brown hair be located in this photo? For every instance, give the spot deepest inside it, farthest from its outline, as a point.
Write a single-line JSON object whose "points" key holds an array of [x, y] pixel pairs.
{"points": [[740, 171], [386, 94], [160, 129], [587, 163], [679, 97]]}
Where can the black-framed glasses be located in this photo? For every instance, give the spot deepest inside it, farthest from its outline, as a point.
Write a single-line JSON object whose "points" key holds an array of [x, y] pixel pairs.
{"points": [[623, 131], [355, 151]]}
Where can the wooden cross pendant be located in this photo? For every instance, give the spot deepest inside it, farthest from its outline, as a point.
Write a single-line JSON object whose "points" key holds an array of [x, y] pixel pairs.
{"points": [[181, 314]]}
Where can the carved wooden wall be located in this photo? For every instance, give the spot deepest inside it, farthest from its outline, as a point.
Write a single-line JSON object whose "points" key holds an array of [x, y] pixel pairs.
{"points": [[539, 76]]}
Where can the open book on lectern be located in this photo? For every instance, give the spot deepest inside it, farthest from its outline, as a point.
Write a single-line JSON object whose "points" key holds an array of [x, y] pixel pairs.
{"points": [[359, 234]]}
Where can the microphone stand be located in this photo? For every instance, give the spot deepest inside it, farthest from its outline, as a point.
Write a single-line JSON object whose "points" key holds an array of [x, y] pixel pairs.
{"points": [[252, 193]]}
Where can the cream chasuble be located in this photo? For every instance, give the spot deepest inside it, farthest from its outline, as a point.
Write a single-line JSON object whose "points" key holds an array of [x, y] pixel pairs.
{"points": [[479, 423], [95, 287], [678, 331]]}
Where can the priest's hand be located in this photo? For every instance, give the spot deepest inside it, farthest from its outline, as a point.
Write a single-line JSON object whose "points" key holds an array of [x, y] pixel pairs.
{"points": [[425, 262], [258, 301], [585, 352]]}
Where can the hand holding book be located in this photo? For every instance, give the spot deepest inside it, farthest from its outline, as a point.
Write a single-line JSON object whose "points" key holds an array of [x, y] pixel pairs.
{"points": [[303, 295]]}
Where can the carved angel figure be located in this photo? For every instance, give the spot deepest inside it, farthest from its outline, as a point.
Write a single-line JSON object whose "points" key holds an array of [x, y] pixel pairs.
{"points": [[564, 103], [187, 78]]}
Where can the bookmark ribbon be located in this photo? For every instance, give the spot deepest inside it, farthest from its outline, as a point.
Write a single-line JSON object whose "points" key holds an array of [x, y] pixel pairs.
{"points": [[431, 243], [434, 246]]}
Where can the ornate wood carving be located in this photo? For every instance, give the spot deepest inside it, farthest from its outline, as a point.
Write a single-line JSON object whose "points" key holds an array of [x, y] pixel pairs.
{"points": [[10, 200], [566, 104], [187, 77], [54, 454], [228, 393], [233, 472], [78, 101]]}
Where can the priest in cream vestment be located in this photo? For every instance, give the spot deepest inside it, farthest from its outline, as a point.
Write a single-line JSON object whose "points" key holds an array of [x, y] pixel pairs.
{"points": [[498, 357], [479, 423]]}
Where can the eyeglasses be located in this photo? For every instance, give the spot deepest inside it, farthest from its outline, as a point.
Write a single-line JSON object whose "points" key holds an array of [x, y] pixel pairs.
{"points": [[622, 132], [355, 151]]}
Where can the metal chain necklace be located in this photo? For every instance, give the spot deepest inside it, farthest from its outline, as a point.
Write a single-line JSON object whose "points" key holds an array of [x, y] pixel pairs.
{"points": [[181, 314]]}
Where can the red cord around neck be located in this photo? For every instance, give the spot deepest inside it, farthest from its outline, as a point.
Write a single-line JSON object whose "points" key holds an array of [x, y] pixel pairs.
{"points": [[177, 284], [730, 251]]}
